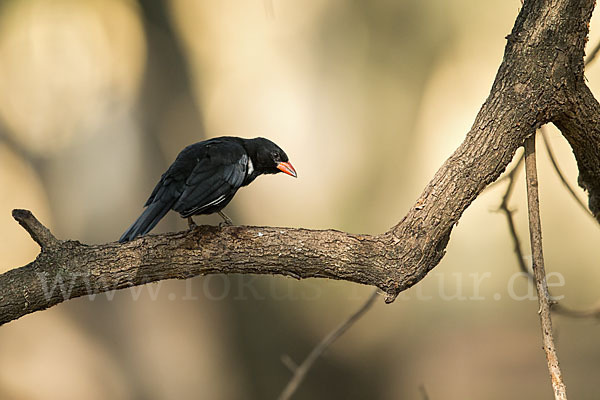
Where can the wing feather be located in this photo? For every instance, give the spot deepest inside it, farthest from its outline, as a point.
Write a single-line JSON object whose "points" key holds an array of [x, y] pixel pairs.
{"points": [[214, 180]]}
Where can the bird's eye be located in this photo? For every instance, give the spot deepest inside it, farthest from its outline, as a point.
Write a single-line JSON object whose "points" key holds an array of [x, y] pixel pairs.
{"points": [[275, 156]]}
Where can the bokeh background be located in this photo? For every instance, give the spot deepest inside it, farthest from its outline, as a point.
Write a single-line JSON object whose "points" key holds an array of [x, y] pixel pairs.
{"points": [[368, 98]]}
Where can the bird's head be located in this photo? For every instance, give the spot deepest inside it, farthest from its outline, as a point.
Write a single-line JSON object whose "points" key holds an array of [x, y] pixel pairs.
{"points": [[268, 158]]}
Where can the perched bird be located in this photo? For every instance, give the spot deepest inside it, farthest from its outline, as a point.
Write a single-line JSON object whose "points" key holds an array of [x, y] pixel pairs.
{"points": [[205, 176]]}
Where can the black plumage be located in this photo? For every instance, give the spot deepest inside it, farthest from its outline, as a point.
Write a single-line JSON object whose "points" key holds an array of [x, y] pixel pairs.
{"points": [[206, 175]]}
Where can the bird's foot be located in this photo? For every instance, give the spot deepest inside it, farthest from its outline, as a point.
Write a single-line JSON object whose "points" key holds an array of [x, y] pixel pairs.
{"points": [[226, 220], [191, 224]]}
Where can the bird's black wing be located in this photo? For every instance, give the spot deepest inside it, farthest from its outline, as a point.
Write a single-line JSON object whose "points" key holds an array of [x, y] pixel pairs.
{"points": [[205, 175], [214, 180]]}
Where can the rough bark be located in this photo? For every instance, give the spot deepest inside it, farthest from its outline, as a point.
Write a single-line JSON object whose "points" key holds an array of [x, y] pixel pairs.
{"points": [[540, 80]]}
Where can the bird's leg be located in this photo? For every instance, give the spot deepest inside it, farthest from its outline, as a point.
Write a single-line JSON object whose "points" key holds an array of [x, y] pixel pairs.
{"points": [[191, 223], [226, 219]]}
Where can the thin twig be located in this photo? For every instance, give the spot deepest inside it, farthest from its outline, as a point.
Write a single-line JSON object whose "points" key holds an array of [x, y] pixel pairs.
{"points": [[423, 391], [568, 312], [561, 175], [593, 54], [302, 370], [535, 233], [504, 207], [288, 362], [509, 215], [555, 307]]}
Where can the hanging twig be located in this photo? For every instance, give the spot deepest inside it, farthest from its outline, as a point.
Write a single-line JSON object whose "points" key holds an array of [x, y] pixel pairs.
{"points": [[423, 391], [509, 215], [301, 371], [593, 54], [504, 207], [567, 312], [561, 175], [535, 233]]}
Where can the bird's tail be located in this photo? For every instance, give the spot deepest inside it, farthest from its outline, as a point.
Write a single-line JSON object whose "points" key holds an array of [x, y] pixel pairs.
{"points": [[149, 218]]}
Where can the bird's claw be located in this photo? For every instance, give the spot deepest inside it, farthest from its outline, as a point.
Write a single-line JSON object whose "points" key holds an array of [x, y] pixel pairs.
{"points": [[191, 224], [226, 220]]}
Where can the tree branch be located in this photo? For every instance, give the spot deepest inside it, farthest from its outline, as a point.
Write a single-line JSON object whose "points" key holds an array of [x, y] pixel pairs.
{"points": [[535, 233], [69, 269]]}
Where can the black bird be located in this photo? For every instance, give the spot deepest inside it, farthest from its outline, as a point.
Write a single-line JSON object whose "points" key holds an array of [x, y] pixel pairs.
{"points": [[205, 176]]}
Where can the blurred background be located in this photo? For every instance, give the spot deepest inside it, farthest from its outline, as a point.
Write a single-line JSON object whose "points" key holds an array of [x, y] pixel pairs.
{"points": [[368, 99]]}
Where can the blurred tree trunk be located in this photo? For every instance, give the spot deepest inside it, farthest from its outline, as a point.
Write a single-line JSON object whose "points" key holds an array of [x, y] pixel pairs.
{"points": [[167, 87], [168, 84]]}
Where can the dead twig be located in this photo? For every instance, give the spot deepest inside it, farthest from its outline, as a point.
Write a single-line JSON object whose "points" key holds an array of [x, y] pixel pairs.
{"points": [[593, 54], [301, 371], [535, 233], [509, 215], [561, 175], [423, 391], [568, 312], [504, 207]]}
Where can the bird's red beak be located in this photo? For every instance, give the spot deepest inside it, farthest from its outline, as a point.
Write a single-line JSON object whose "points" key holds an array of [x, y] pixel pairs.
{"points": [[287, 168]]}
